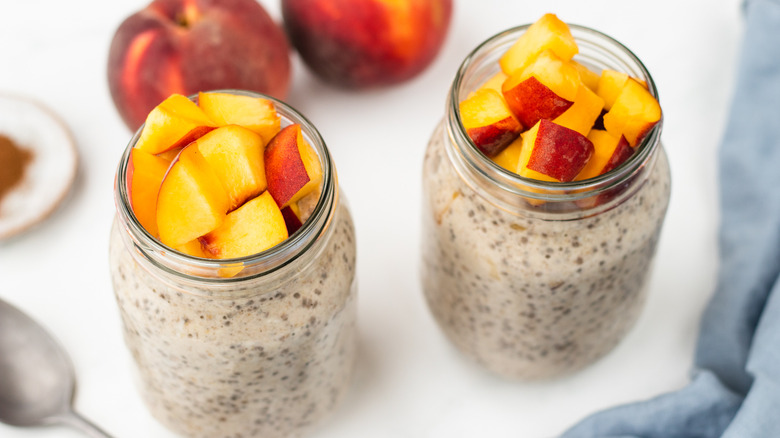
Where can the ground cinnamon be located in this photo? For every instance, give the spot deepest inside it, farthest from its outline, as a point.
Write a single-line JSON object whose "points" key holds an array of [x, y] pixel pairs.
{"points": [[13, 163]]}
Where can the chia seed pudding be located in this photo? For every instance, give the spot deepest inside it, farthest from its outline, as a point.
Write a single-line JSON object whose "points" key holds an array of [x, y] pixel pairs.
{"points": [[265, 353], [534, 280]]}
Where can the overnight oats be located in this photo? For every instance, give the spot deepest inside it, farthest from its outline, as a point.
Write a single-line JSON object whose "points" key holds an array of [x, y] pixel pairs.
{"points": [[540, 219], [248, 327]]}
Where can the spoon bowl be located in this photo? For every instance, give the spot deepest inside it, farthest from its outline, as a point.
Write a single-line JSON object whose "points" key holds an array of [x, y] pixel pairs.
{"points": [[36, 377]]}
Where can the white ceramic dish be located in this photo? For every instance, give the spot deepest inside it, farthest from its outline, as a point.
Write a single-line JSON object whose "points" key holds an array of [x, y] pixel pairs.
{"points": [[50, 173]]}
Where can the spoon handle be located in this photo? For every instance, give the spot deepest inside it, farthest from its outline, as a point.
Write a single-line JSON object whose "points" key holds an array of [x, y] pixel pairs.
{"points": [[76, 421]]}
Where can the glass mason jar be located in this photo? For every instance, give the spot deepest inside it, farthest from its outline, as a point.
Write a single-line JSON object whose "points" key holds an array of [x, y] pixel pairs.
{"points": [[533, 279], [265, 352]]}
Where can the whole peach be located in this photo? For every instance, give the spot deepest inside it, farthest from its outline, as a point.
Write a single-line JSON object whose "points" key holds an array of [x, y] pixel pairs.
{"points": [[367, 43], [186, 46]]}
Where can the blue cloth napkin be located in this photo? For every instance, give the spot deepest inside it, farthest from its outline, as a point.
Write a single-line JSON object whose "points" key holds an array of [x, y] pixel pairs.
{"points": [[735, 389]]}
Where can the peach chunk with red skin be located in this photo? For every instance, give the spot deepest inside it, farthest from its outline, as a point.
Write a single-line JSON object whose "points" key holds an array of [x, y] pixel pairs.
{"points": [[555, 152], [254, 113], [192, 201], [633, 114], [172, 124], [292, 167], [543, 90], [488, 121], [145, 173], [609, 152], [547, 33], [235, 154], [252, 228], [509, 159]]}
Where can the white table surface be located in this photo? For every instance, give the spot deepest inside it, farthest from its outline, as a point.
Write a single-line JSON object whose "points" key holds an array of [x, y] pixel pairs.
{"points": [[410, 382]]}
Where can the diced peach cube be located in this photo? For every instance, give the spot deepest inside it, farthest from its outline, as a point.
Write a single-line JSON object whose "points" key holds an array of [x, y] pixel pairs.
{"points": [[254, 113], [610, 84], [145, 173], [547, 33], [193, 248], [192, 200], [509, 158], [292, 167], [544, 90], [633, 114], [589, 77], [552, 152], [235, 154], [252, 228], [488, 121], [583, 113], [495, 82], [608, 153], [174, 123]]}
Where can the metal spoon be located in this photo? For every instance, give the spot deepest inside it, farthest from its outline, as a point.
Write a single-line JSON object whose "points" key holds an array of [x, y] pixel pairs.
{"points": [[36, 376]]}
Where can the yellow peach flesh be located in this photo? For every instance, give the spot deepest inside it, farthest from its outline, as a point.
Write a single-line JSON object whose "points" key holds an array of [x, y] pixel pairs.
{"points": [[510, 156], [488, 121], [193, 248], [589, 77], [146, 173], [547, 33], [552, 71], [169, 155], [583, 113], [252, 228], [311, 161], [254, 113], [610, 84], [633, 114], [484, 107], [495, 82], [235, 154], [604, 145], [192, 200], [173, 123]]}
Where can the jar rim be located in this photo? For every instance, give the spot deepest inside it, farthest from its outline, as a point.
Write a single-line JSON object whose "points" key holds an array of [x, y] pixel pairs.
{"points": [[517, 185], [262, 263]]}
